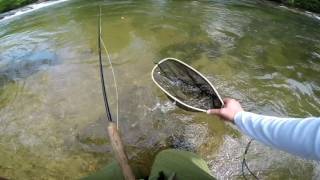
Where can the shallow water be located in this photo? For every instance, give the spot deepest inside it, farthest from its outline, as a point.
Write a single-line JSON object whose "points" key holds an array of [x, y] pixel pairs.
{"points": [[52, 116]]}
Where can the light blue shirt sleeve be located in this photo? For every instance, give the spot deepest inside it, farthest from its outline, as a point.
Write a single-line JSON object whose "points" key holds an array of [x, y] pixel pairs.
{"points": [[299, 136]]}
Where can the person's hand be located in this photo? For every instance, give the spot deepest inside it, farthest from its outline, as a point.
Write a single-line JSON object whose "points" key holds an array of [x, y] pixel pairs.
{"points": [[228, 112]]}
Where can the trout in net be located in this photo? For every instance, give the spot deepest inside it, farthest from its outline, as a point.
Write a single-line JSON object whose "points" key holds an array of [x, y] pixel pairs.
{"points": [[185, 85]]}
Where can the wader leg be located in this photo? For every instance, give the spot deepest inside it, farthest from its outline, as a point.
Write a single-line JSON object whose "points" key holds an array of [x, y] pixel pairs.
{"points": [[179, 165]]}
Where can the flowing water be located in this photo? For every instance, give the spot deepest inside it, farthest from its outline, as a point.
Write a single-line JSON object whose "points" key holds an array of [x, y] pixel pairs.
{"points": [[52, 121]]}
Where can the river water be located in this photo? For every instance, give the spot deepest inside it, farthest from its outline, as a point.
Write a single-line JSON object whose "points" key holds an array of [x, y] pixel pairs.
{"points": [[52, 122]]}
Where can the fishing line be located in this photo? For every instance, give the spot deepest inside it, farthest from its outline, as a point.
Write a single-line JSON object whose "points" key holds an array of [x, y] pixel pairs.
{"points": [[104, 92], [112, 127], [244, 162]]}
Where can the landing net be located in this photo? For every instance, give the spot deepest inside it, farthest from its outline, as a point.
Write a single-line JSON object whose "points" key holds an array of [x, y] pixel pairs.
{"points": [[185, 85]]}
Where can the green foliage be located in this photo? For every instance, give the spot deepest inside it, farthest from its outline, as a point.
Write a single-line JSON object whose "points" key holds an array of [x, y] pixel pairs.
{"points": [[310, 5], [7, 5]]}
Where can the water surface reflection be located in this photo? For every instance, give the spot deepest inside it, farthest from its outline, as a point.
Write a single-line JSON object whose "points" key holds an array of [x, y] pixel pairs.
{"points": [[52, 117]]}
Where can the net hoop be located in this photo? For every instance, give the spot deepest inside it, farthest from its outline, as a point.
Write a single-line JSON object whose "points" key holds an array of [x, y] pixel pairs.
{"points": [[173, 97]]}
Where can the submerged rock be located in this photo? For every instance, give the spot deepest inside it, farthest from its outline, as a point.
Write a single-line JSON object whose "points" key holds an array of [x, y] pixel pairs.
{"points": [[190, 51], [28, 65]]}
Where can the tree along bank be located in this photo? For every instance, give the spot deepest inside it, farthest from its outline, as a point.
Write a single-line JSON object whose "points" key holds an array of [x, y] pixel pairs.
{"points": [[310, 5], [7, 5]]}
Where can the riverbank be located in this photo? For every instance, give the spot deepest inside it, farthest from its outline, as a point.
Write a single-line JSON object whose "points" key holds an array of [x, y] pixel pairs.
{"points": [[38, 4], [7, 5], [309, 5]]}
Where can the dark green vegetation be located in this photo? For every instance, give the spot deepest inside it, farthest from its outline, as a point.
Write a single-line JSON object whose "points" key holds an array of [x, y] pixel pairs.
{"points": [[311, 5], [7, 5]]}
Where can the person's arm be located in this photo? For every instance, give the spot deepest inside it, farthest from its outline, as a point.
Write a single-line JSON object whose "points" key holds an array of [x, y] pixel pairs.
{"points": [[293, 135]]}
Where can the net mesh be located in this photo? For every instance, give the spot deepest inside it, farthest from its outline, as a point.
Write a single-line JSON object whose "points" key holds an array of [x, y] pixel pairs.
{"points": [[186, 85]]}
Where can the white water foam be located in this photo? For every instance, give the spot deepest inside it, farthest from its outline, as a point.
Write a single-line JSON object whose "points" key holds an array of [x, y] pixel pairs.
{"points": [[313, 15], [300, 11], [28, 9]]}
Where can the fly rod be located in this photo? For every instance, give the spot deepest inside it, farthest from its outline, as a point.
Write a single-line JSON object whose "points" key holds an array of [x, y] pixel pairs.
{"points": [[113, 133]]}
